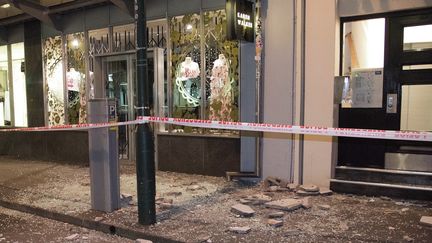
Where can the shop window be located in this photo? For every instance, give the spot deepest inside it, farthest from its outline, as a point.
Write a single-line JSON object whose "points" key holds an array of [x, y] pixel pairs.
{"points": [[417, 38], [53, 71], [416, 114], [205, 77], [19, 85], [75, 78], [363, 45], [5, 112]]}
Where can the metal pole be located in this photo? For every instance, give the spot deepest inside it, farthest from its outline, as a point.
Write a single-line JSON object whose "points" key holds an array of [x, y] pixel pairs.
{"points": [[145, 163]]}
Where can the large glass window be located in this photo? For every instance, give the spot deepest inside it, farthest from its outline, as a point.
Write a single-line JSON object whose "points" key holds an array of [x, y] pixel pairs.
{"points": [[75, 78], [417, 38], [416, 112], [53, 71], [363, 45], [19, 85], [204, 68], [5, 112]]}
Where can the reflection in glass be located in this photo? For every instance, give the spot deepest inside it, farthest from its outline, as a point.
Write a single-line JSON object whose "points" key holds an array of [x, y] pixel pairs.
{"points": [[417, 38], [416, 112], [363, 45], [75, 79], [19, 85], [5, 117], [53, 70]]}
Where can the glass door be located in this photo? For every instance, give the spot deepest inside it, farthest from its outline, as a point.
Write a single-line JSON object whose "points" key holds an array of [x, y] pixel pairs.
{"points": [[118, 75]]}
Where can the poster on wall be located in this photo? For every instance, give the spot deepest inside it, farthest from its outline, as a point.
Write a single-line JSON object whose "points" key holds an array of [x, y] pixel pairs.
{"points": [[364, 89], [240, 20]]}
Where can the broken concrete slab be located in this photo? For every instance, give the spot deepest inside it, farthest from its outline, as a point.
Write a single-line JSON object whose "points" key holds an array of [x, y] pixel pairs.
{"points": [[324, 207], [287, 204], [240, 230], [243, 210], [325, 192], [275, 181], [309, 188], [258, 199], [306, 204], [276, 214], [275, 223], [245, 201], [305, 193], [426, 220]]}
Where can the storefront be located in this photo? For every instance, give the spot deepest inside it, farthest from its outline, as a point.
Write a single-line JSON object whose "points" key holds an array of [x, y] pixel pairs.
{"points": [[196, 73]]}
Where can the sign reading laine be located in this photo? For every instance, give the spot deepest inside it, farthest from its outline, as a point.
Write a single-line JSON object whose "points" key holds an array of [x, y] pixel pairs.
{"points": [[240, 20]]}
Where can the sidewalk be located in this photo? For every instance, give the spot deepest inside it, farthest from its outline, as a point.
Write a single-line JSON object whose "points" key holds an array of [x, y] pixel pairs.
{"points": [[193, 208]]}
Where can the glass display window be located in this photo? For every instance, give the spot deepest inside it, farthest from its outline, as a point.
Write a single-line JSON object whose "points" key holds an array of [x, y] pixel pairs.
{"points": [[5, 112], [205, 70], [19, 85], [76, 78], [53, 72]]}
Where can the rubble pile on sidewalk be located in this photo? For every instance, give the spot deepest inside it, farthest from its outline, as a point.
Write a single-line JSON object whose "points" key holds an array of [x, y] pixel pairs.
{"points": [[294, 197]]}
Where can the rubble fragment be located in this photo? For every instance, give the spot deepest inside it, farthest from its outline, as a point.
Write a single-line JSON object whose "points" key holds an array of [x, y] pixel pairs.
{"points": [[292, 187], [275, 223], [426, 220], [325, 192], [287, 204], [240, 230], [143, 241], [324, 207], [72, 237], [243, 210], [275, 181], [173, 194], [258, 199], [385, 198], [309, 188], [276, 214], [404, 209], [98, 219], [408, 239], [306, 204], [305, 193], [126, 197]]}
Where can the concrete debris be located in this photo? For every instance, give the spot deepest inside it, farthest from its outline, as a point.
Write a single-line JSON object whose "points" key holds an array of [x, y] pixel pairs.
{"points": [[72, 237], [391, 228], [98, 219], [126, 197], [426, 220], [371, 200], [258, 199], [195, 188], [275, 181], [343, 226], [291, 232], [309, 188], [276, 214], [324, 207], [240, 230], [275, 223], [85, 238], [1, 235], [385, 198], [404, 209], [325, 192], [165, 205], [173, 194], [272, 188], [143, 241], [292, 187], [244, 201], [305, 193], [287, 204], [243, 210], [282, 189], [306, 204], [408, 239]]}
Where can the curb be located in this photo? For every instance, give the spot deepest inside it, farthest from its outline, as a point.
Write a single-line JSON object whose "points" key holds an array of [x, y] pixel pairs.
{"points": [[86, 223]]}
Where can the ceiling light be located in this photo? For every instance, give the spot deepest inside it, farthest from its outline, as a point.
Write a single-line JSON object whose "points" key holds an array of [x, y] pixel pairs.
{"points": [[6, 5], [189, 27], [75, 43]]}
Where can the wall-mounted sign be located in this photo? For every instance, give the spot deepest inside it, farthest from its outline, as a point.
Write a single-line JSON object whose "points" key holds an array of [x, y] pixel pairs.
{"points": [[240, 20]]}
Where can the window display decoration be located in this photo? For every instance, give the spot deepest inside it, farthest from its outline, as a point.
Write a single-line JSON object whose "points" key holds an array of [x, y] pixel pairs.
{"points": [[53, 70], [220, 90], [75, 79], [187, 77]]}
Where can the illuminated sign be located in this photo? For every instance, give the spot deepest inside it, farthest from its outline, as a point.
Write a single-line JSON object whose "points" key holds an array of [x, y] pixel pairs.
{"points": [[240, 20]]}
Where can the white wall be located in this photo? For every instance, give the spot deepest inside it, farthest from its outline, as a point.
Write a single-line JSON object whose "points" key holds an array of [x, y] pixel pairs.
{"points": [[362, 7], [278, 87], [321, 22]]}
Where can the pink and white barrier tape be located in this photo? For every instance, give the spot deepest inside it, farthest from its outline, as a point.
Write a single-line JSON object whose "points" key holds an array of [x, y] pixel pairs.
{"points": [[248, 126]]}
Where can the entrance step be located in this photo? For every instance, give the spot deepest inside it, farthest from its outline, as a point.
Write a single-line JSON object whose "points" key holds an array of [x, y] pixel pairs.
{"points": [[381, 189], [394, 177]]}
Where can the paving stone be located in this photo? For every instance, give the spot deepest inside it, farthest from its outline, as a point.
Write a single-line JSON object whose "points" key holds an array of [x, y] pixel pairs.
{"points": [[309, 188], [306, 204], [426, 220], [240, 230], [305, 193], [287, 204], [72, 237], [275, 223], [243, 210], [325, 192], [276, 214], [143, 241], [324, 207]]}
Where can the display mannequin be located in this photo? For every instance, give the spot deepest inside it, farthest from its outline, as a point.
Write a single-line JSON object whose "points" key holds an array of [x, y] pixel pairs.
{"points": [[187, 74], [220, 90], [73, 79]]}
